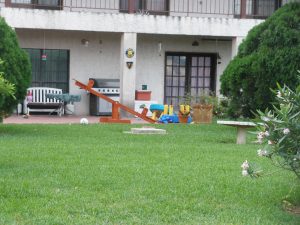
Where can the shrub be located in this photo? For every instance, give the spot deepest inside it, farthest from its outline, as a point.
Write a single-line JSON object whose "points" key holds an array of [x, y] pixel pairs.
{"points": [[16, 68], [281, 130], [6, 88], [271, 50]]}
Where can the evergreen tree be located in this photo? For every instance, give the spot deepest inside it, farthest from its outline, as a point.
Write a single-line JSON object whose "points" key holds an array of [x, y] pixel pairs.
{"points": [[16, 68], [269, 54]]}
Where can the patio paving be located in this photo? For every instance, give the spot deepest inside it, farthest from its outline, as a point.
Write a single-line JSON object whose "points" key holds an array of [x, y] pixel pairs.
{"points": [[54, 119]]}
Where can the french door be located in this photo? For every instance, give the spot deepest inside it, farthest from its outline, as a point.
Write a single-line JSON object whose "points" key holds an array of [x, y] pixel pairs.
{"points": [[188, 73]]}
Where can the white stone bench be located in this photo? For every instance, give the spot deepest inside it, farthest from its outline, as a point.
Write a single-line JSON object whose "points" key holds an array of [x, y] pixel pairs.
{"points": [[241, 129], [40, 102]]}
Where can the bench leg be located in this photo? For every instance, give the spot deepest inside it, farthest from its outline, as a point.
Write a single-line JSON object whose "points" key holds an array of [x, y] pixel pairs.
{"points": [[241, 135], [59, 111]]}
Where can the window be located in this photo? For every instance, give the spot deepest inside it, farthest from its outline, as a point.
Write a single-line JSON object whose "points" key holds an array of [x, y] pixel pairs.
{"points": [[255, 8], [38, 4], [143, 6], [52, 72], [188, 73]]}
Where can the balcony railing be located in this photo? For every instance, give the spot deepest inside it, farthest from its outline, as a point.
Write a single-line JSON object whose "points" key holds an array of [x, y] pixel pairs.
{"points": [[228, 8], [35, 4]]}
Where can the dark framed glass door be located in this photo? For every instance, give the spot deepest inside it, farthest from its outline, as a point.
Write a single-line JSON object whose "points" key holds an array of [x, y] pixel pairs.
{"points": [[188, 73]]}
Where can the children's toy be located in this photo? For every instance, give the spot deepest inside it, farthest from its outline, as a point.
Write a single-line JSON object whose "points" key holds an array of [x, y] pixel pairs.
{"points": [[116, 106], [168, 119], [156, 110], [168, 110], [84, 121], [184, 110], [184, 113]]}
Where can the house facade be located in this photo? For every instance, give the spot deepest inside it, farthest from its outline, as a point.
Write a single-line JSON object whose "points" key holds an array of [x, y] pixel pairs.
{"points": [[171, 46]]}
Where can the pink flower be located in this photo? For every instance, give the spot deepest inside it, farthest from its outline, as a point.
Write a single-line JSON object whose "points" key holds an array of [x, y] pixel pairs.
{"points": [[245, 165], [267, 134], [245, 173], [260, 137], [279, 95], [261, 152], [286, 131]]}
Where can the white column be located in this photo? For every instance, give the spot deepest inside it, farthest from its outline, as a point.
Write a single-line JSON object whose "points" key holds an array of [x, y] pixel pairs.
{"points": [[128, 75], [236, 41]]}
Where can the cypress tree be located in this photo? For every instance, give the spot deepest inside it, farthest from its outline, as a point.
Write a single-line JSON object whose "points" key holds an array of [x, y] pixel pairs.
{"points": [[15, 67]]}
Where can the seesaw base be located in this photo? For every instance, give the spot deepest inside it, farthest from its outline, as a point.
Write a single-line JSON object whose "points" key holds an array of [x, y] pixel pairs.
{"points": [[111, 120]]}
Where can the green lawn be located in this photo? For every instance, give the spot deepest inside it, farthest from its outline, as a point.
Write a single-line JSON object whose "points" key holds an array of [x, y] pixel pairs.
{"points": [[95, 174]]}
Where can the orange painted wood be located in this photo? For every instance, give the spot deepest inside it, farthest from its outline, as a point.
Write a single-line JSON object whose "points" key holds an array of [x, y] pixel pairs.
{"points": [[111, 120], [89, 89], [145, 111], [115, 105]]}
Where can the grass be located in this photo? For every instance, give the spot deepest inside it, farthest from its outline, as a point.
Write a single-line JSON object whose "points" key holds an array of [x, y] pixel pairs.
{"points": [[95, 174]]}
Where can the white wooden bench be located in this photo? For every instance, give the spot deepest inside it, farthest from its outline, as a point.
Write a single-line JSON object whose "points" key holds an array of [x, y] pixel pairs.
{"points": [[40, 102]]}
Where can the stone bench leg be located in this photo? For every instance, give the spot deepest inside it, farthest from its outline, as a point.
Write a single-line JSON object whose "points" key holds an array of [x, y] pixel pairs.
{"points": [[241, 135]]}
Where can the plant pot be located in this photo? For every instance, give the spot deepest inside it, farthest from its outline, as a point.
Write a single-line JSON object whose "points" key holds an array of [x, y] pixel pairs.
{"points": [[143, 95], [69, 109], [182, 118], [202, 113]]}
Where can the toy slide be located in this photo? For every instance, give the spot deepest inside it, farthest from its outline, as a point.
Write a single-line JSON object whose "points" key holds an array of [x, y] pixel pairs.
{"points": [[115, 106]]}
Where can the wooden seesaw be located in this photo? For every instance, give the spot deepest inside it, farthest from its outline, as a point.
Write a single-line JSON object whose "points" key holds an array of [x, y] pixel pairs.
{"points": [[116, 106]]}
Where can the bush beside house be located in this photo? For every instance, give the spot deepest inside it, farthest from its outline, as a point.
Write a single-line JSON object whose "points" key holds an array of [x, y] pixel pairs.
{"points": [[280, 130], [16, 68], [269, 54]]}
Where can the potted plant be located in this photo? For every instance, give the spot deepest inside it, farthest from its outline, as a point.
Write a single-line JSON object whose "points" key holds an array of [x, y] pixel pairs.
{"points": [[185, 108], [203, 108]]}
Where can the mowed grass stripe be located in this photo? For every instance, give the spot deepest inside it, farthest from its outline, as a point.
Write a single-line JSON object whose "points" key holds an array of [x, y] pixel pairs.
{"points": [[96, 174]]}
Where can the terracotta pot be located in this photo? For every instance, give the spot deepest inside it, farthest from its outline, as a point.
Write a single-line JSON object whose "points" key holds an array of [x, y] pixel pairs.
{"points": [[143, 95], [202, 113], [182, 118]]}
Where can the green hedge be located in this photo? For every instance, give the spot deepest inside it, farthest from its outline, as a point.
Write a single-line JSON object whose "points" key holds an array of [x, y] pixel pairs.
{"points": [[16, 68], [269, 54]]}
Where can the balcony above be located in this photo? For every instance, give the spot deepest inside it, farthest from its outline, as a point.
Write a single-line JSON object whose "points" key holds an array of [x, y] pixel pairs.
{"points": [[193, 8], [122, 23]]}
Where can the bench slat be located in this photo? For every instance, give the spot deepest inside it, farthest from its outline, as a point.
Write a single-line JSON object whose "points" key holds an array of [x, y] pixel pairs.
{"points": [[39, 97]]}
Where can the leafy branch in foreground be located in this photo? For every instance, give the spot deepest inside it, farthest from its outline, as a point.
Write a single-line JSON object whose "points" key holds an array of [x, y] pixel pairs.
{"points": [[279, 130]]}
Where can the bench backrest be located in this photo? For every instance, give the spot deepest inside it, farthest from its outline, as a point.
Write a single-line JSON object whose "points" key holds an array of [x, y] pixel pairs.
{"points": [[39, 94]]}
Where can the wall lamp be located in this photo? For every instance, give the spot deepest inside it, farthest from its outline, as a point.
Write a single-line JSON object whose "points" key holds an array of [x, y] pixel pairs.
{"points": [[85, 42], [195, 43]]}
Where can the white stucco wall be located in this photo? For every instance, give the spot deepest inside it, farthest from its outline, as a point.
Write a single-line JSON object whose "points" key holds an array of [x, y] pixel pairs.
{"points": [[101, 59], [128, 23], [151, 63]]}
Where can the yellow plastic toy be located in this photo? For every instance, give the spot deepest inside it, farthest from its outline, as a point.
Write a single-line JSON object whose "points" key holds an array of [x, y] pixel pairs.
{"points": [[184, 110], [168, 110]]}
